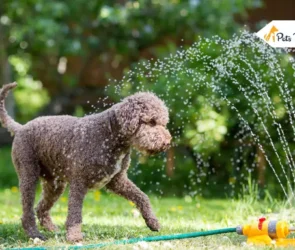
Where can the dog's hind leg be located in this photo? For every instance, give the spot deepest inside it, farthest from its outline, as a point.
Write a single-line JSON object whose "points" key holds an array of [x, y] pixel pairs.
{"points": [[51, 191], [28, 172]]}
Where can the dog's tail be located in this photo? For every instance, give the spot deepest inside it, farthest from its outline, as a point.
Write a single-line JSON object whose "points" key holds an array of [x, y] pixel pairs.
{"points": [[5, 119]]}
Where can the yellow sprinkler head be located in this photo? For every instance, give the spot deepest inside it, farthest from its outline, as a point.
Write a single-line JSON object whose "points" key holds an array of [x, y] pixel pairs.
{"points": [[267, 232]]}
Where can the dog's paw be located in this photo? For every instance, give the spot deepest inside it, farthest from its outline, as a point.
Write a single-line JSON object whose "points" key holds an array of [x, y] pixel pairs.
{"points": [[153, 224], [74, 234], [74, 238], [37, 236]]}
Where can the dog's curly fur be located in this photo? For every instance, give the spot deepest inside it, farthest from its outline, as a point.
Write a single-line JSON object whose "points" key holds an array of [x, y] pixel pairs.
{"points": [[88, 152]]}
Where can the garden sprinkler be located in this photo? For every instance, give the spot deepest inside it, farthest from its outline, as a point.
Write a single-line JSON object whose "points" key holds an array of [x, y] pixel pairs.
{"points": [[261, 233], [267, 232]]}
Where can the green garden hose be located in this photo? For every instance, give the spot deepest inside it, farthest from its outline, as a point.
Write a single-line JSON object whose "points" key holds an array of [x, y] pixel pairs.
{"points": [[135, 240]]}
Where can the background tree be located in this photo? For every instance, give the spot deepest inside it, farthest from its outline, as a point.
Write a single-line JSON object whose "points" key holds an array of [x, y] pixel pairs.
{"points": [[73, 48]]}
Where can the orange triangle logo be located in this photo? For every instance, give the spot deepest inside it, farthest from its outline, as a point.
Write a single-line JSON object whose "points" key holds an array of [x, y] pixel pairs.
{"points": [[271, 34]]}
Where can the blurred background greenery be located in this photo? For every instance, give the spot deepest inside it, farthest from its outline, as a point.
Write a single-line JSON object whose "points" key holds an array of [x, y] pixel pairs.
{"points": [[62, 54]]}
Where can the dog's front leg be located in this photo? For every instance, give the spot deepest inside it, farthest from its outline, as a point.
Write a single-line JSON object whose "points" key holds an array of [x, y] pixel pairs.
{"points": [[122, 186], [74, 220]]}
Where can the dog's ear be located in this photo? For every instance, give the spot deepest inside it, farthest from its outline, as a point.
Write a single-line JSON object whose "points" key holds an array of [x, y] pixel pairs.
{"points": [[128, 116]]}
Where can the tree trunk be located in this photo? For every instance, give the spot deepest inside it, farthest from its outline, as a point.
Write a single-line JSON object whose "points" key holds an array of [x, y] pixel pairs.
{"points": [[170, 162], [261, 167]]}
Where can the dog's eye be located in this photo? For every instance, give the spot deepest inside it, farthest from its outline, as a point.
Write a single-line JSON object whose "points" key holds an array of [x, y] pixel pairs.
{"points": [[152, 122]]}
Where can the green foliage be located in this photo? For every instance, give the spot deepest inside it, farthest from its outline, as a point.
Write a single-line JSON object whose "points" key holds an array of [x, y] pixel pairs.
{"points": [[54, 29], [209, 127], [8, 177], [79, 112], [30, 97]]}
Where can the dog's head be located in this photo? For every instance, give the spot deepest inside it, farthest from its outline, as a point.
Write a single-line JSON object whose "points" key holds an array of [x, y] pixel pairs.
{"points": [[143, 118]]}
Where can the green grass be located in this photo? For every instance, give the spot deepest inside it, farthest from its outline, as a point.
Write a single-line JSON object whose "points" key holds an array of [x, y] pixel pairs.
{"points": [[8, 176], [108, 217]]}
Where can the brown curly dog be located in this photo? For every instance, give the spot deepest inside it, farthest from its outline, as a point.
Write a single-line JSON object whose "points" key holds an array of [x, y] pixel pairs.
{"points": [[88, 152]]}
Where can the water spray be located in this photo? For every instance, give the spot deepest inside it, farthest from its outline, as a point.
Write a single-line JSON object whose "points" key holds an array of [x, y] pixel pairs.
{"points": [[260, 233]]}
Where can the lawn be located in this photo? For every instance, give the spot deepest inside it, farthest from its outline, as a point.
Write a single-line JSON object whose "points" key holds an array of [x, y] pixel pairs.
{"points": [[108, 217]]}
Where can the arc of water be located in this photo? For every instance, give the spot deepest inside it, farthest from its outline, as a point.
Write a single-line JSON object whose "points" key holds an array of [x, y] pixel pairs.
{"points": [[280, 131], [256, 138], [282, 137]]}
